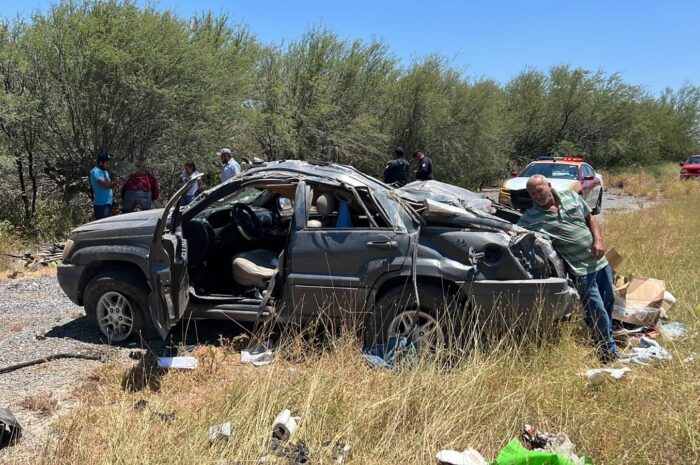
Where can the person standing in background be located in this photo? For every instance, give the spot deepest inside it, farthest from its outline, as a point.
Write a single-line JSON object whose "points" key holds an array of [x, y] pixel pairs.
{"points": [[140, 190], [424, 172], [187, 174], [229, 167], [102, 184], [398, 170]]}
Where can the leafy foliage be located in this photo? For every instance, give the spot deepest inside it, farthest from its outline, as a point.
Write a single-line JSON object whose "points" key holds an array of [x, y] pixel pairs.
{"points": [[157, 90]]}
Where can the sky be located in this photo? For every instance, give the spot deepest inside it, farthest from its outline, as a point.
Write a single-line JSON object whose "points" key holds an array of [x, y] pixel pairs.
{"points": [[650, 43]]}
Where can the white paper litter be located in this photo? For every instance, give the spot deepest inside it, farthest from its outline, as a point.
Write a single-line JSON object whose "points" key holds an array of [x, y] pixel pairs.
{"points": [[648, 353], [177, 363], [257, 359], [597, 375], [219, 431], [467, 457]]}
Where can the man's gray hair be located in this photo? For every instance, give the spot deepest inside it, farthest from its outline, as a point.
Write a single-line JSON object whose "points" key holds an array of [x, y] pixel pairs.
{"points": [[534, 180], [225, 151]]}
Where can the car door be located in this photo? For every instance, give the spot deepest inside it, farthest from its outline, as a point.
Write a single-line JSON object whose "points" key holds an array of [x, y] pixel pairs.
{"points": [[331, 270], [167, 260]]}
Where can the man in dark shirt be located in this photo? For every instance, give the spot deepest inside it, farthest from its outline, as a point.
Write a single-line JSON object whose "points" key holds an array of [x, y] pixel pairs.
{"points": [[141, 189], [397, 170], [424, 172]]}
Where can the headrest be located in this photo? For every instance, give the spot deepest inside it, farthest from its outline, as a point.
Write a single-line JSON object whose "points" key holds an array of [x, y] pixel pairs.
{"points": [[326, 204]]}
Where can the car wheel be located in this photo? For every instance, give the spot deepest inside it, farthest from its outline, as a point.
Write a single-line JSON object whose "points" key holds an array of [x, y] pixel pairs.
{"points": [[116, 304], [428, 326], [599, 204]]}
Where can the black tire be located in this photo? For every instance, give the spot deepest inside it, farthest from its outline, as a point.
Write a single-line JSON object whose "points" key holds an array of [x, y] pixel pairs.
{"points": [[598, 205], [441, 304], [109, 283]]}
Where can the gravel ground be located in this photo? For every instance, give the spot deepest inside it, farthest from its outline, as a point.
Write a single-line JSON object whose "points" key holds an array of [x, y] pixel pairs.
{"points": [[38, 320]]}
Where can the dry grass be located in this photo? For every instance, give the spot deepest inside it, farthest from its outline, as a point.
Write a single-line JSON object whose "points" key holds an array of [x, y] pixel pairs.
{"points": [[657, 182], [43, 403], [406, 416]]}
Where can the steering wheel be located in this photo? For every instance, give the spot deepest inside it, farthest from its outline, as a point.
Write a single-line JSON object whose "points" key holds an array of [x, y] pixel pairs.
{"points": [[247, 223]]}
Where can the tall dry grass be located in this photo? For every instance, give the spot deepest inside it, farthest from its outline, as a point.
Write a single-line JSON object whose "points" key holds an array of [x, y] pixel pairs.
{"points": [[405, 416]]}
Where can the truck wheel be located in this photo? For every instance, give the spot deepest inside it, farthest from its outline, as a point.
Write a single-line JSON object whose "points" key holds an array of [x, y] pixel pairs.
{"points": [[396, 315], [116, 303]]}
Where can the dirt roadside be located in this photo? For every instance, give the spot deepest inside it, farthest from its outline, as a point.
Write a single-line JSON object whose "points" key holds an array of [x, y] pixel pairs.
{"points": [[39, 320]]}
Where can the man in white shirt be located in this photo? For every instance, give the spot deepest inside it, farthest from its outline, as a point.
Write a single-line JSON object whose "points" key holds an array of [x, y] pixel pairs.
{"points": [[189, 171], [229, 166]]}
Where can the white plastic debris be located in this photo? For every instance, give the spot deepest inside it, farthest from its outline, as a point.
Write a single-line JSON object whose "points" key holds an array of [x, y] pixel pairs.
{"points": [[648, 353], [562, 445], [597, 376], [217, 432], [177, 363], [284, 425], [257, 359], [690, 358], [467, 457], [674, 330]]}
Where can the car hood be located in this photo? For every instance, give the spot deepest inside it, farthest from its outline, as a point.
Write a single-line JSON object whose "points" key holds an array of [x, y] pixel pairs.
{"points": [[129, 224], [519, 183], [419, 191], [693, 166]]}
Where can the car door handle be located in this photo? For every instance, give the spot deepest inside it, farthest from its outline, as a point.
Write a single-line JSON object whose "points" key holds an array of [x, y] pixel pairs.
{"points": [[384, 245]]}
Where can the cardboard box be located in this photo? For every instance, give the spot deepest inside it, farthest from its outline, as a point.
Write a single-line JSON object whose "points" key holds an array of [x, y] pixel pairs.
{"points": [[614, 258], [638, 300]]}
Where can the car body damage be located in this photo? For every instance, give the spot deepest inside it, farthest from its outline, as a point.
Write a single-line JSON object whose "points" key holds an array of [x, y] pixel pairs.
{"points": [[296, 240]]}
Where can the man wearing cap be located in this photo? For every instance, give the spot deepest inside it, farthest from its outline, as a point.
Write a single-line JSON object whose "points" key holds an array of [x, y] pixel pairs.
{"points": [[229, 166], [565, 218], [424, 172], [102, 186], [397, 170]]}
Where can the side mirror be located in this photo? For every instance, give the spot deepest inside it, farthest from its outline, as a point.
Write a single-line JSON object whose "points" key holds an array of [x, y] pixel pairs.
{"points": [[514, 173], [588, 178]]}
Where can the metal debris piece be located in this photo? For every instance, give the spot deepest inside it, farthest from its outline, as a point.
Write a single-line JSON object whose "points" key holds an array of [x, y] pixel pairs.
{"points": [[10, 429], [180, 363], [166, 417], [140, 405]]}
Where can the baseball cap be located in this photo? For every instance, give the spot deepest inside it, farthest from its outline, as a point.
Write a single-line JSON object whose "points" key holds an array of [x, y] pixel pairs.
{"points": [[104, 156]]}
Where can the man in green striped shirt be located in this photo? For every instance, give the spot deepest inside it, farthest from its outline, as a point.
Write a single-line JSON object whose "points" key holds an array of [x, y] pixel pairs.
{"points": [[566, 219]]}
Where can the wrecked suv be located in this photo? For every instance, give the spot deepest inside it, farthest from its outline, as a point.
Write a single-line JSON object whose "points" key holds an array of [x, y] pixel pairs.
{"points": [[297, 241]]}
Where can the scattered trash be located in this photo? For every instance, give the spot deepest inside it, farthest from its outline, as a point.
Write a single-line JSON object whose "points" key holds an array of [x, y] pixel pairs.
{"points": [[690, 358], [49, 359], [640, 301], [140, 405], [534, 439], [597, 376], [177, 363], [166, 417], [515, 454], [258, 357], [284, 425], [648, 352], [10, 429], [298, 452], [40, 337], [217, 432], [674, 330], [467, 457], [341, 451], [385, 355]]}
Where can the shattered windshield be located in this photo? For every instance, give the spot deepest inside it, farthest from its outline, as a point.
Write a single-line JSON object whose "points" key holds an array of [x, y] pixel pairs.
{"points": [[551, 170]]}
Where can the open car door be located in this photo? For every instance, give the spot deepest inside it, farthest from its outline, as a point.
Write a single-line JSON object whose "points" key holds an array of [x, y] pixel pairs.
{"points": [[167, 260]]}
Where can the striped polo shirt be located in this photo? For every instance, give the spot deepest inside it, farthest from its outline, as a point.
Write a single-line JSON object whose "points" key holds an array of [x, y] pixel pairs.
{"points": [[567, 230]]}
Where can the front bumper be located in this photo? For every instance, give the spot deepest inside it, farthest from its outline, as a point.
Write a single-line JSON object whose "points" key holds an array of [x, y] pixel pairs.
{"points": [[690, 176], [526, 302], [69, 280]]}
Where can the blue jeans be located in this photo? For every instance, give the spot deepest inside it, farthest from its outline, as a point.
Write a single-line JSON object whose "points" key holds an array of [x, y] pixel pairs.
{"points": [[133, 198], [186, 199], [102, 211], [598, 299]]}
